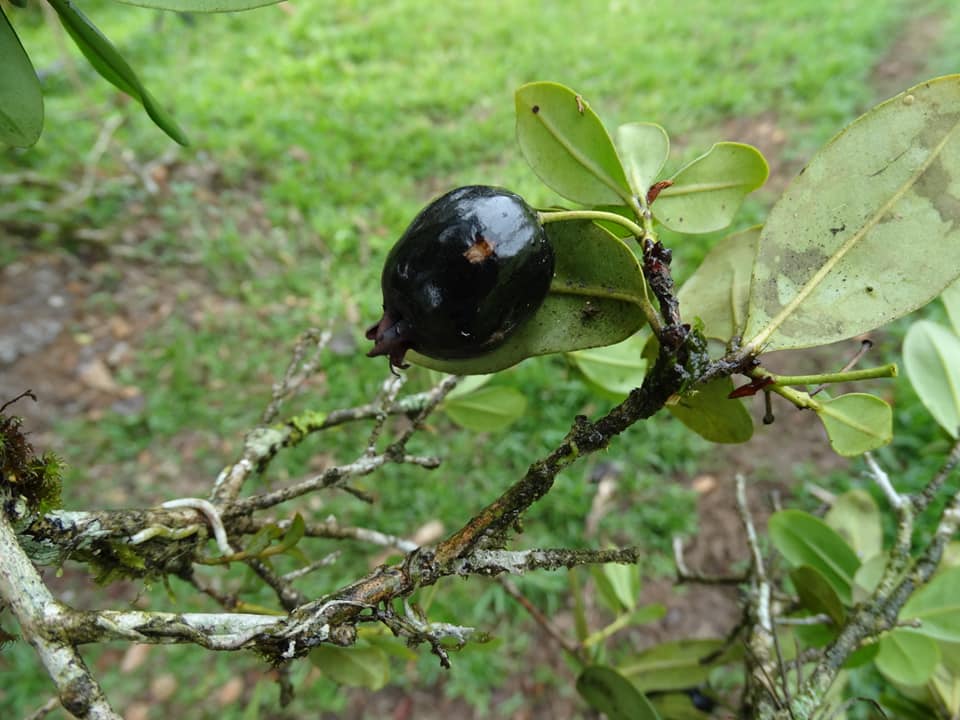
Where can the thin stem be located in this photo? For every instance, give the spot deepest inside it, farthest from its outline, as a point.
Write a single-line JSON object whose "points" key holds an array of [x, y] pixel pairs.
{"points": [[542, 620], [799, 398], [883, 371], [564, 215]]}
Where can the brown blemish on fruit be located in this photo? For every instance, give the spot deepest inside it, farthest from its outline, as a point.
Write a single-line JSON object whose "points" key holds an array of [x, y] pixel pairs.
{"points": [[479, 251]]}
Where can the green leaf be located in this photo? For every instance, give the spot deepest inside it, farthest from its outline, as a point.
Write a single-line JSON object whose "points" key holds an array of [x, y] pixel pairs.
{"points": [[719, 288], [567, 145], [606, 690], [806, 540], [811, 636], [951, 301], [707, 193], [855, 515], [594, 300], [816, 594], [606, 591], [900, 707], [868, 576], [862, 655], [201, 6], [365, 667], [105, 59], [679, 706], [712, 415], [675, 665], [262, 539], [623, 583], [643, 149], [869, 231], [486, 410], [624, 620], [388, 643], [293, 535], [906, 658], [937, 607], [21, 100], [614, 369], [856, 423], [946, 678], [951, 557], [946, 684], [931, 357]]}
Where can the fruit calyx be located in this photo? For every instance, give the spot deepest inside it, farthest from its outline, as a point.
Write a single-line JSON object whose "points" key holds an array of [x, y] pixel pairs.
{"points": [[390, 340]]}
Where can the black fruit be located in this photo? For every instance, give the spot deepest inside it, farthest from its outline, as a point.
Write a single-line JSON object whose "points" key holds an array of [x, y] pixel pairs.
{"points": [[470, 269]]}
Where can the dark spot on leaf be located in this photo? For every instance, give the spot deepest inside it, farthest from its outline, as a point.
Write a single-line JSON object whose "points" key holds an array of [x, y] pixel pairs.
{"points": [[536, 109], [589, 312], [841, 228], [934, 185], [869, 288]]}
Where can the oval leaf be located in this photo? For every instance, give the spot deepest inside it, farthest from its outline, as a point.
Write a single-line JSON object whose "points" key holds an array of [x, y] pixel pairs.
{"points": [[719, 288], [293, 535], [868, 577], [606, 690], [931, 357], [643, 149], [856, 423], [594, 300], [869, 231], [486, 410], [21, 100], [676, 665], [907, 659], [855, 515], [622, 585], [951, 301], [366, 667], [806, 540], [105, 59], [937, 607], [202, 6], [710, 413], [567, 146], [946, 683], [614, 369], [707, 193], [816, 594]]}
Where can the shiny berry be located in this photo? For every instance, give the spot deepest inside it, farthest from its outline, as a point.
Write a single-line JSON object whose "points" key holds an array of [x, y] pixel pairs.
{"points": [[473, 266]]}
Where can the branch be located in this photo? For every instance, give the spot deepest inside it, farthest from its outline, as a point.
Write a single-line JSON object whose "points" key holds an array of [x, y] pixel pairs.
{"points": [[38, 614], [900, 580]]}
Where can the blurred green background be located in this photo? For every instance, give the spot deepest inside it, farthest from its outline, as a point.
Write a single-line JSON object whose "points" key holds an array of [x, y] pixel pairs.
{"points": [[318, 129]]}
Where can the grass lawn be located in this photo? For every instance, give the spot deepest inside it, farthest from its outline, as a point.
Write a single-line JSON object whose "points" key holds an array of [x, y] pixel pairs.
{"points": [[318, 129]]}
